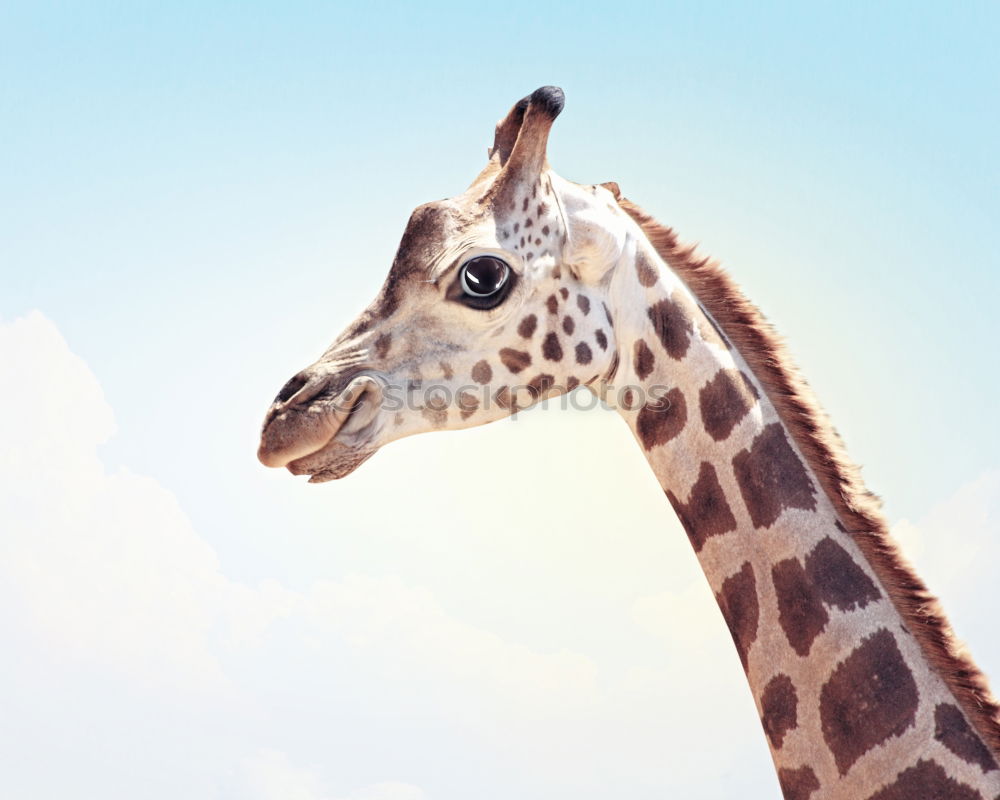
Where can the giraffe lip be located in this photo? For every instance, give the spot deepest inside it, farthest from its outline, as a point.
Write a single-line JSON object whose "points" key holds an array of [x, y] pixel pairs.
{"points": [[302, 438], [349, 446]]}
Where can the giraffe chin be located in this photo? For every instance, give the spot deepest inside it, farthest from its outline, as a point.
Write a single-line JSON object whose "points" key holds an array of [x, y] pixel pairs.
{"points": [[334, 461]]}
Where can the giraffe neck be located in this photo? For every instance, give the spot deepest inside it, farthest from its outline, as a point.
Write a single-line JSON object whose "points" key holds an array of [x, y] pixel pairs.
{"points": [[851, 705]]}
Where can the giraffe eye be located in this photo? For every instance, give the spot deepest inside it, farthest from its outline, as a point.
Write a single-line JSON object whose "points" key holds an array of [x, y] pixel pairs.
{"points": [[485, 281]]}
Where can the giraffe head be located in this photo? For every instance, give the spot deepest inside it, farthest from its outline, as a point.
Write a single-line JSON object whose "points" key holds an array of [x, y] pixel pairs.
{"points": [[496, 298]]}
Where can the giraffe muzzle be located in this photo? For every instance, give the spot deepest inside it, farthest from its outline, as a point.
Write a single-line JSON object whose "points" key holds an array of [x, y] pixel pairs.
{"points": [[318, 425]]}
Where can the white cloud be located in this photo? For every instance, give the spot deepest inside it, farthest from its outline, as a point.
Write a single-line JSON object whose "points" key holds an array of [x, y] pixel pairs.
{"points": [[105, 566], [270, 775], [395, 624]]}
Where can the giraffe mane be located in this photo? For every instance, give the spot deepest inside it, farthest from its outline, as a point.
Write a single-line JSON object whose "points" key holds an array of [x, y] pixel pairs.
{"points": [[858, 509]]}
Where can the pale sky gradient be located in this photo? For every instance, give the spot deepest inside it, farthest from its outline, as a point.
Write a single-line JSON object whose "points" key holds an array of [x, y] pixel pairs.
{"points": [[195, 200]]}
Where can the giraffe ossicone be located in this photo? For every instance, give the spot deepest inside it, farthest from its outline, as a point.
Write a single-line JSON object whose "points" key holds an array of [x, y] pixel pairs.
{"points": [[526, 286]]}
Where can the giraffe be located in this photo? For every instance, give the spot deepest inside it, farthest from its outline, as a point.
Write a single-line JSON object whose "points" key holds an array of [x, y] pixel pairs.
{"points": [[527, 286]]}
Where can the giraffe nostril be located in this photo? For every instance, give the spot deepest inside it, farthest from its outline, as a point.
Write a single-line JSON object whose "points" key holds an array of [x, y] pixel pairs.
{"points": [[290, 388]]}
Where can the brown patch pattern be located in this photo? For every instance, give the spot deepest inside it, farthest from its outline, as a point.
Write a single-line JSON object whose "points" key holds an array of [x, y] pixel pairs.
{"points": [[706, 513], [725, 401], [437, 416], [661, 420], [738, 601], [798, 784], [672, 326], [772, 478], [482, 373], [504, 398], [527, 326], [540, 385], [643, 359], [645, 270], [551, 349], [467, 404], [601, 339], [800, 611], [583, 303], [954, 732], [515, 360], [778, 708], [552, 304], [583, 353], [870, 696], [838, 578], [925, 780], [568, 325]]}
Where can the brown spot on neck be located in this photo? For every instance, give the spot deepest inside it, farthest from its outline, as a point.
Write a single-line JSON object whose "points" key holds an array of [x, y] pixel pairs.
{"points": [[926, 780], [838, 579], [672, 327], [643, 360], [772, 478], [706, 513], [955, 733], [724, 402], [779, 705], [645, 270], [661, 419], [800, 611], [798, 783], [738, 601], [870, 697]]}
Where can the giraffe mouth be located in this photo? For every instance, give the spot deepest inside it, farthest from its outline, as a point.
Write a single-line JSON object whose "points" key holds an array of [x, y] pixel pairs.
{"points": [[324, 436]]}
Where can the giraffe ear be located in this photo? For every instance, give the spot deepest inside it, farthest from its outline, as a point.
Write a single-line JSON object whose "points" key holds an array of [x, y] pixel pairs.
{"points": [[506, 132], [520, 139], [526, 156], [522, 136], [596, 232]]}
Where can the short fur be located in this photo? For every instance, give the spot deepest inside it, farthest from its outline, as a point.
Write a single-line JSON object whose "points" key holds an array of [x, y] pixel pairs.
{"points": [[859, 510]]}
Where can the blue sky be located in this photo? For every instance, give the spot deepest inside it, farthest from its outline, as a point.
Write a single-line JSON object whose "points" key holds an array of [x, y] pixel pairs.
{"points": [[198, 197]]}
